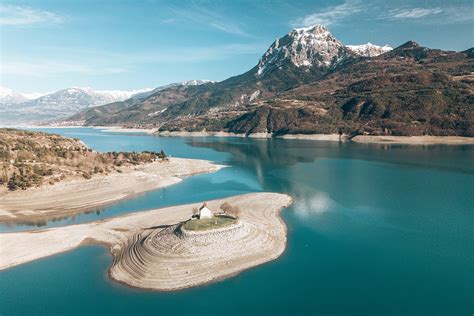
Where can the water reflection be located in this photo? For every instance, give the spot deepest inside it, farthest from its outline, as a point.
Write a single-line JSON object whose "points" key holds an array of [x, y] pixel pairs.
{"points": [[254, 153]]}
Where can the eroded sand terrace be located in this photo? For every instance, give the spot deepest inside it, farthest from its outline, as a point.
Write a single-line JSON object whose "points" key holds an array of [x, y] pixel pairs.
{"points": [[165, 259], [148, 251]]}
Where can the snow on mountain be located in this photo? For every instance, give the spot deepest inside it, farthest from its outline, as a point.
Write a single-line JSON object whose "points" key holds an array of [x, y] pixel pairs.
{"points": [[10, 97], [369, 49], [62, 103], [78, 98], [34, 95], [304, 47], [112, 95]]}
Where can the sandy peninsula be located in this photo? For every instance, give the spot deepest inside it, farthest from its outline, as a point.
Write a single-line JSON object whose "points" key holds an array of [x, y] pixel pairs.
{"points": [[148, 253], [80, 195]]}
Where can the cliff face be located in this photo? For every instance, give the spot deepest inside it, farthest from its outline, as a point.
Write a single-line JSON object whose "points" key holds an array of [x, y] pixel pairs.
{"points": [[309, 82]]}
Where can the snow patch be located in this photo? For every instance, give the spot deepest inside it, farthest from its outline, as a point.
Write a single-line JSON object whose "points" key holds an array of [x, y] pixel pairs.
{"points": [[369, 49]]}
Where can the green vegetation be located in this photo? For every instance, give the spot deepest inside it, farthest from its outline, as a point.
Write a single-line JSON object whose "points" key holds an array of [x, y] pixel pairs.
{"points": [[217, 221], [30, 159]]}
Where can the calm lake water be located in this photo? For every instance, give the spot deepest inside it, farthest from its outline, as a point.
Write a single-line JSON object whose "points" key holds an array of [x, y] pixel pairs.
{"points": [[374, 230]]}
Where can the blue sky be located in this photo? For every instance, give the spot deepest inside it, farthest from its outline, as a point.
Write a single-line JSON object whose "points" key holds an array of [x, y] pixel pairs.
{"points": [[51, 45]]}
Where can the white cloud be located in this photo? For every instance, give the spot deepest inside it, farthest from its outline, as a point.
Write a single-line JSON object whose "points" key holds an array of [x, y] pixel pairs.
{"points": [[329, 15], [414, 13], [22, 15], [200, 15]]}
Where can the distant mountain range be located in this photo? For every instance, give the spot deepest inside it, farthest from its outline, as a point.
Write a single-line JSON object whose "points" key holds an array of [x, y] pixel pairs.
{"points": [[306, 82], [10, 97], [33, 108], [88, 113], [309, 82]]}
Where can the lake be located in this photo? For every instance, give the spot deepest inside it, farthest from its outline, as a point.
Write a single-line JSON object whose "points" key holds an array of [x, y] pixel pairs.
{"points": [[374, 230]]}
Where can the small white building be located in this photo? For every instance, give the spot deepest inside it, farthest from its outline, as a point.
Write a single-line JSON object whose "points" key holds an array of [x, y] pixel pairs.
{"points": [[204, 212]]}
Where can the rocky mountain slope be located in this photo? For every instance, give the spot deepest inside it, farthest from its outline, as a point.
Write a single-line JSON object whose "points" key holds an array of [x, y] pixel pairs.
{"points": [[114, 107], [411, 90], [309, 82], [284, 66]]}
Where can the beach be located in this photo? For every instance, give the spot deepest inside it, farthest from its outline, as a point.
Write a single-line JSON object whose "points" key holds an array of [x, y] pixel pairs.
{"points": [[261, 237], [74, 196]]}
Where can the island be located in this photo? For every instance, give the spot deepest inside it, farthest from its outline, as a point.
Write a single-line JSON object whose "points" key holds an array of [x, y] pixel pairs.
{"points": [[170, 248]]}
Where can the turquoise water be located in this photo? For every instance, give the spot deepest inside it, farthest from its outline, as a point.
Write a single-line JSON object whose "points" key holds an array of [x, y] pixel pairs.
{"points": [[374, 230]]}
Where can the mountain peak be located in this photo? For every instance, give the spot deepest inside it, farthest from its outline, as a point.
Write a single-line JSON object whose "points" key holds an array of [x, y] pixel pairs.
{"points": [[308, 47], [315, 29], [409, 49], [369, 49], [409, 44], [9, 96]]}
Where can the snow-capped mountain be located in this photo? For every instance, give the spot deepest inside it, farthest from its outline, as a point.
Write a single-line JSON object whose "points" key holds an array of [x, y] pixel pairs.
{"points": [[369, 49], [304, 47], [9, 97], [62, 104], [74, 99]]}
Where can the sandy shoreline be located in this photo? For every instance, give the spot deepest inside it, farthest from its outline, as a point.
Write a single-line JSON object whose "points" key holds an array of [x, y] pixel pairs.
{"points": [[368, 139], [142, 257], [415, 140], [80, 195], [409, 140]]}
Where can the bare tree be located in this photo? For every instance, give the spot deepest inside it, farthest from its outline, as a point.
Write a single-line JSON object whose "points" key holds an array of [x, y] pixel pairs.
{"points": [[228, 209]]}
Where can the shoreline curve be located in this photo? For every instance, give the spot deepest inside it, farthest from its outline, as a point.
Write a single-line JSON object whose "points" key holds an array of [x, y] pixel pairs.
{"points": [[265, 229]]}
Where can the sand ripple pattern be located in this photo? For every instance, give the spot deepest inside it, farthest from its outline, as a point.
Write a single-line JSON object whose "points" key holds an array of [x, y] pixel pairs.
{"points": [[167, 259], [149, 252]]}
